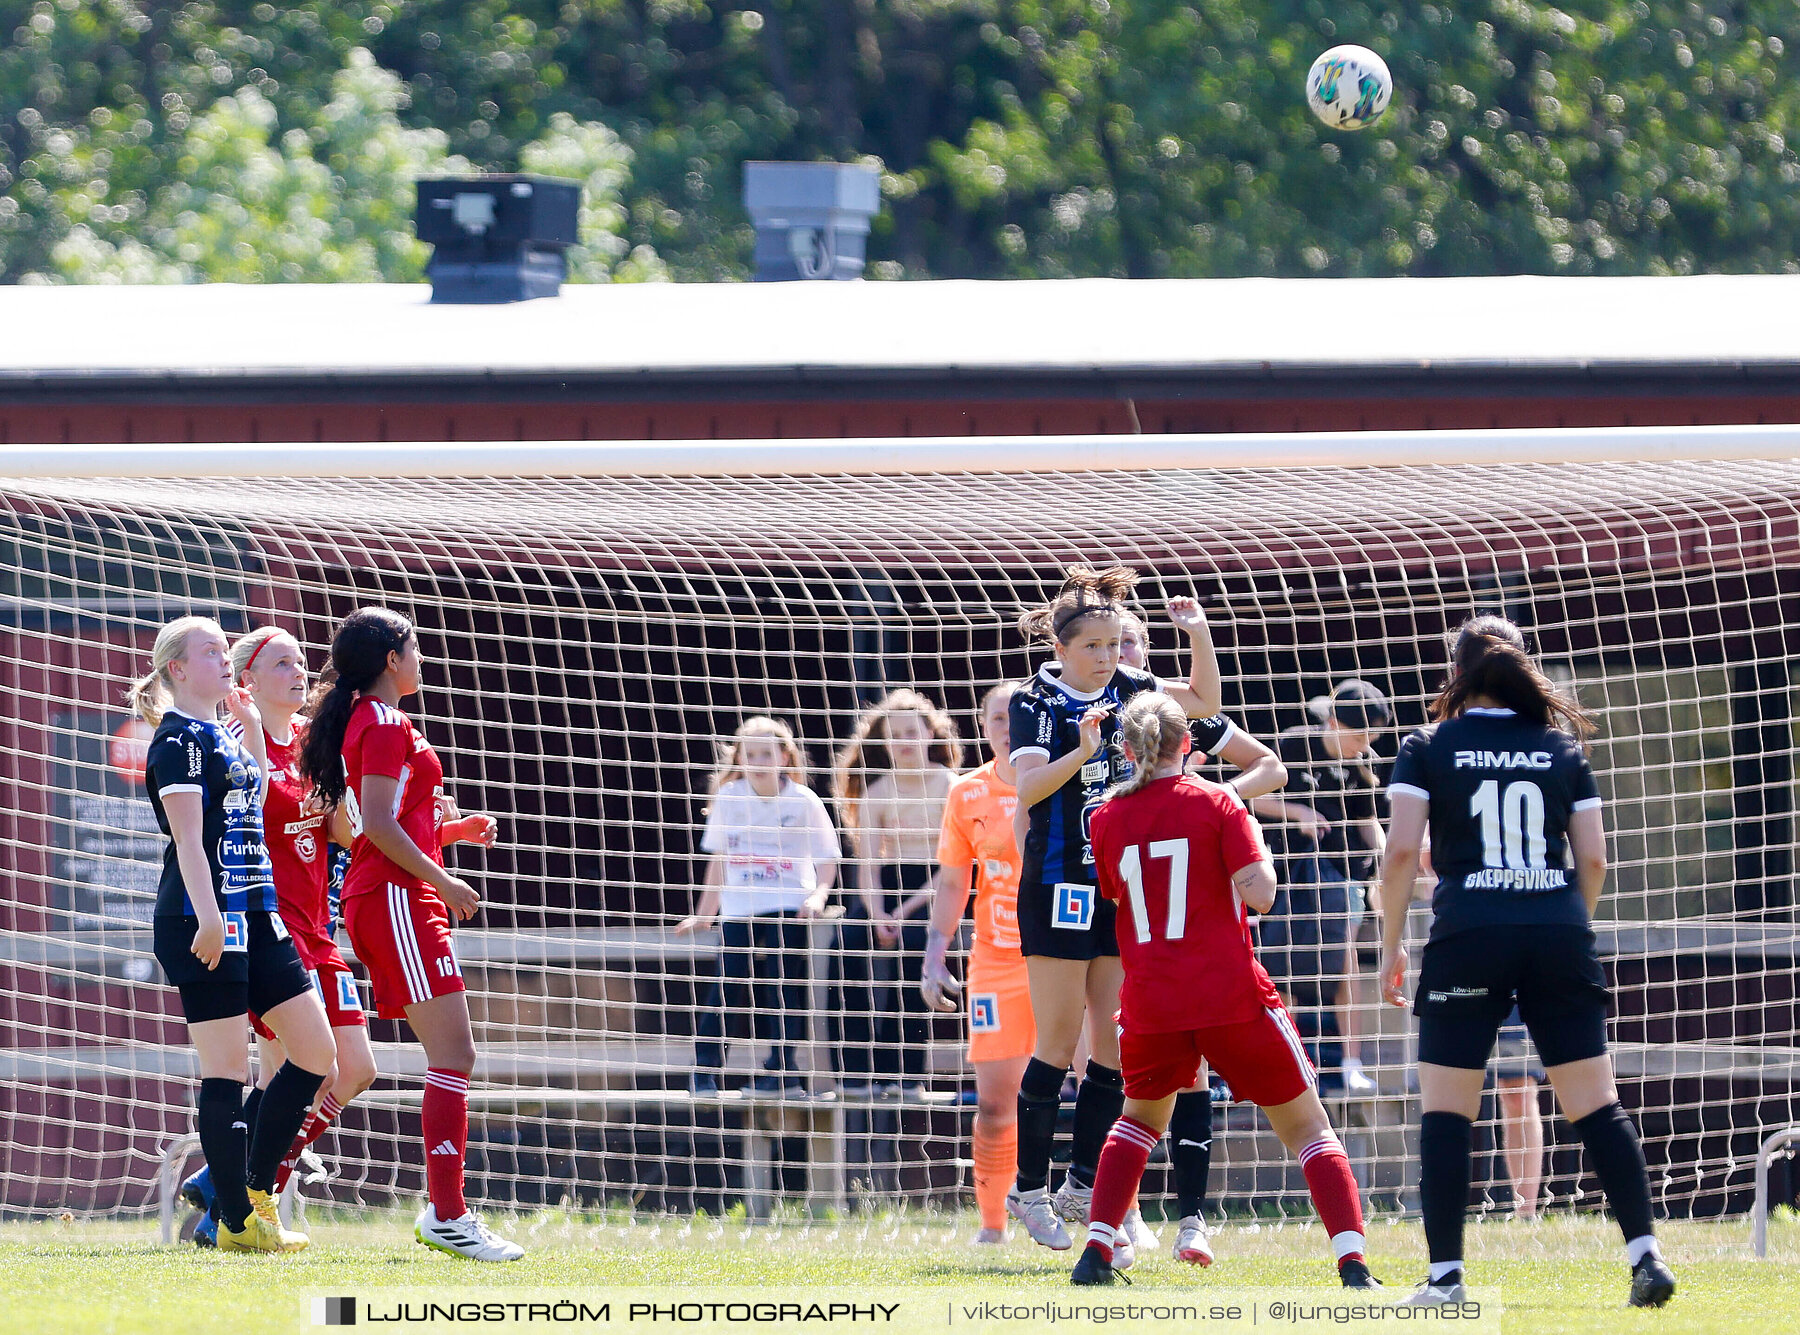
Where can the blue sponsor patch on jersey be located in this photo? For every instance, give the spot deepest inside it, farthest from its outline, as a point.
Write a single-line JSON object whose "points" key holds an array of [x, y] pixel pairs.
{"points": [[1073, 909]]}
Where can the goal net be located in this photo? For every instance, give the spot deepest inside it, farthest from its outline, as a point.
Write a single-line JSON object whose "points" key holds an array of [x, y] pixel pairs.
{"points": [[598, 621]]}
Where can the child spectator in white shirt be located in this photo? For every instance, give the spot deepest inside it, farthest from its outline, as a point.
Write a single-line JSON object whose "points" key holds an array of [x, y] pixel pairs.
{"points": [[774, 859]]}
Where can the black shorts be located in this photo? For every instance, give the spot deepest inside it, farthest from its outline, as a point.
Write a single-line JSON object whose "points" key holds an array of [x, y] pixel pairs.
{"points": [[1470, 981], [258, 978], [1066, 922]]}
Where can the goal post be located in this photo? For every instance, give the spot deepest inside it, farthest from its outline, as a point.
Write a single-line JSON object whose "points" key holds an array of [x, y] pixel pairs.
{"points": [[599, 617]]}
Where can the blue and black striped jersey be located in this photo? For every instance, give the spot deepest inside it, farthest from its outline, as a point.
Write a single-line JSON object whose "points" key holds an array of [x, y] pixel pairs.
{"points": [[1046, 721], [200, 756]]}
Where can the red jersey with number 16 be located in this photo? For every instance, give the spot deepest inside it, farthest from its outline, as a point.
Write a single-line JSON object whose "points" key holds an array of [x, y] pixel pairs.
{"points": [[380, 740], [1167, 854]]}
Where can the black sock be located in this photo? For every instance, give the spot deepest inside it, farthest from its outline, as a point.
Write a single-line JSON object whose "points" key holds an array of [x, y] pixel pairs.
{"points": [[1040, 1100], [1445, 1141], [1190, 1149], [1612, 1142], [283, 1110], [222, 1136], [252, 1109], [1098, 1104]]}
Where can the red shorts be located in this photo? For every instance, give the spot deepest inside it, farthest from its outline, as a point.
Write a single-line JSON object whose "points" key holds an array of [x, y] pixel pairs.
{"points": [[402, 936], [1262, 1060], [332, 980]]}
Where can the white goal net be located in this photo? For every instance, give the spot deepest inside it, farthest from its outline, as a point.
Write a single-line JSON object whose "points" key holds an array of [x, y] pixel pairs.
{"points": [[592, 640]]}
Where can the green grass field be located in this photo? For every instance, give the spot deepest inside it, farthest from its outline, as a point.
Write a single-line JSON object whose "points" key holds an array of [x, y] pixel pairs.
{"points": [[1563, 1275]]}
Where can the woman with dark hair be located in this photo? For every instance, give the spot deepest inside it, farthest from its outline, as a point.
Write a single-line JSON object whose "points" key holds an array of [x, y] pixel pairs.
{"points": [[1062, 726], [363, 754], [1519, 850]]}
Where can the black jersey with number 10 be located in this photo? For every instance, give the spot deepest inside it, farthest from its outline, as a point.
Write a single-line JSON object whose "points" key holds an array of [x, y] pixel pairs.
{"points": [[1502, 790]]}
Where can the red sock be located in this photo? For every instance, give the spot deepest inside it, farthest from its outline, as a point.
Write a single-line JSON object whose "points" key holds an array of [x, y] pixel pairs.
{"points": [[444, 1120], [1122, 1161], [1335, 1195], [316, 1126]]}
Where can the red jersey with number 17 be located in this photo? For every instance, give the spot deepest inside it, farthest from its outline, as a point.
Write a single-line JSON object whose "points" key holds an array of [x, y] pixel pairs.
{"points": [[380, 740], [1167, 854]]}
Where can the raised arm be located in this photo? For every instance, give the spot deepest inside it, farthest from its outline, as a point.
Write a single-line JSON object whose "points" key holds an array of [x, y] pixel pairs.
{"points": [[1203, 694], [243, 710]]}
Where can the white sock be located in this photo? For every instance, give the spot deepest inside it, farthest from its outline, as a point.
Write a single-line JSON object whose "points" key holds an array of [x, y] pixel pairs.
{"points": [[1350, 1064], [1439, 1269], [1638, 1248], [1348, 1243]]}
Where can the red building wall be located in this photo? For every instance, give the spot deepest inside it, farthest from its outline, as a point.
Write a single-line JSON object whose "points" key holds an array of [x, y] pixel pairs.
{"points": [[203, 419]]}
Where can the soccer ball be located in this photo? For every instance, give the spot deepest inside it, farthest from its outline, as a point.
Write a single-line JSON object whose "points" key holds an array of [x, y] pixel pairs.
{"points": [[1348, 87]]}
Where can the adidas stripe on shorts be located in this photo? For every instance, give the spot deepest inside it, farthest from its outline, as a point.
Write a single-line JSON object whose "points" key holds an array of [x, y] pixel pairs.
{"points": [[402, 936]]}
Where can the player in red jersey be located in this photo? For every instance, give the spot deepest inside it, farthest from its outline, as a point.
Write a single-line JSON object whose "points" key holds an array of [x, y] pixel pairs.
{"points": [[269, 663], [1182, 858], [362, 754]]}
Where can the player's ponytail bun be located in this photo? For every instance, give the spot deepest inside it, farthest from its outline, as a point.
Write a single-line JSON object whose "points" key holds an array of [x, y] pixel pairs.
{"points": [[1085, 592], [359, 655], [1152, 725], [1488, 658]]}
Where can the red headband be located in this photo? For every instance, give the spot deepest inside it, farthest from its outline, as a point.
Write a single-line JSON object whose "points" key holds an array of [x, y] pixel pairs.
{"points": [[254, 652]]}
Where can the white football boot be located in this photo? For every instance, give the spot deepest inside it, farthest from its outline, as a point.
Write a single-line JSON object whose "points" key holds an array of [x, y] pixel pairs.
{"points": [[464, 1236], [1037, 1211]]}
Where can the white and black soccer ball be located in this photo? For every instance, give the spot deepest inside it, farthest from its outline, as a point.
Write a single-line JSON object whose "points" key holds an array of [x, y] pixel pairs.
{"points": [[1348, 87]]}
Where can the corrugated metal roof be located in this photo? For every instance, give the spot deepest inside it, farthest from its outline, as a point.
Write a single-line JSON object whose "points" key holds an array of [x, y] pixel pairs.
{"points": [[67, 336]]}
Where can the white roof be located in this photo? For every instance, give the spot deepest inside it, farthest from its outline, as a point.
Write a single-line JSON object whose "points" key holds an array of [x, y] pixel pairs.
{"points": [[1253, 325]]}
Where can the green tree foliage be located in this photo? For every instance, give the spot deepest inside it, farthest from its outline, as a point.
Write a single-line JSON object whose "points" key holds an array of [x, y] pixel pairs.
{"points": [[1018, 137]]}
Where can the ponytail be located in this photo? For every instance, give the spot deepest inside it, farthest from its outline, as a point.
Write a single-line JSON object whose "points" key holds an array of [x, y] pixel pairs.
{"points": [[1488, 658], [359, 655], [1152, 725], [149, 695], [1085, 592]]}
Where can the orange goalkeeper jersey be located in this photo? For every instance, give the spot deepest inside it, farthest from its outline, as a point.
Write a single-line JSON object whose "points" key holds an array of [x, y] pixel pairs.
{"points": [[978, 831]]}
